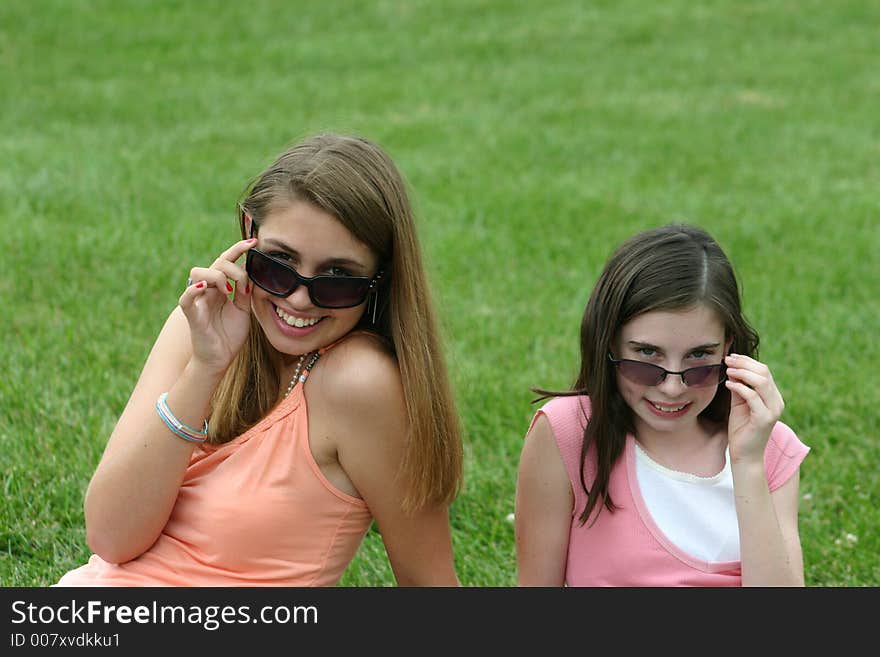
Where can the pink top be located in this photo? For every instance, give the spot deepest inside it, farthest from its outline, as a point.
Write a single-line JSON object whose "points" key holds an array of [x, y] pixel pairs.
{"points": [[255, 511], [626, 547]]}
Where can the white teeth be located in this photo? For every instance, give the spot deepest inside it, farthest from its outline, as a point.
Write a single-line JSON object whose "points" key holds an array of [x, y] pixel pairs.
{"points": [[668, 409], [299, 322]]}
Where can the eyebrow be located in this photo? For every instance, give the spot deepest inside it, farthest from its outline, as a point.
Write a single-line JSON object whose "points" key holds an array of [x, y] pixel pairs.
{"points": [[639, 344], [336, 261]]}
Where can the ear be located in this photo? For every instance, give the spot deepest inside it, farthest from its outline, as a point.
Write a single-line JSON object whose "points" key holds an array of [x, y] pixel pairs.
{"points": [[247, 224], [613, 349]]}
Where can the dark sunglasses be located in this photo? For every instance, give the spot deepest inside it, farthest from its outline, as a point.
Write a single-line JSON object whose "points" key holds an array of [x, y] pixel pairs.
{"points": [[281, 280], [647, 374]]}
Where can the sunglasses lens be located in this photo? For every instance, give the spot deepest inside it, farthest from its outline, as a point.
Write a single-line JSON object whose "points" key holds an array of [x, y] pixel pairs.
{"points": [[325, 291], [270, 275], [644, 374], [339, 291], [703, 376]]}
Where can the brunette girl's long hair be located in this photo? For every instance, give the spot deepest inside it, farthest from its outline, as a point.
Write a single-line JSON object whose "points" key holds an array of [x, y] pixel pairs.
{"points": [[355, 181], [674, 267]]}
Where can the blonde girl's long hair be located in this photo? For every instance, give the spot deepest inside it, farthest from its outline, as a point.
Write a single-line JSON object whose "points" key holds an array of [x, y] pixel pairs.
{"points": [[354, 180]]}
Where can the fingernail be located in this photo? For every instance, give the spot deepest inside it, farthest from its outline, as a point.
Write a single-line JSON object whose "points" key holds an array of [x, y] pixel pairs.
{"points": [[252, 239], [228, 287], [200, 285], [247, 288]]}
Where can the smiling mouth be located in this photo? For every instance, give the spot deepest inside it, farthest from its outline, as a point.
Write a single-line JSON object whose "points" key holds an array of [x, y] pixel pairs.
{"points": [[298, 322], [669, 409]]}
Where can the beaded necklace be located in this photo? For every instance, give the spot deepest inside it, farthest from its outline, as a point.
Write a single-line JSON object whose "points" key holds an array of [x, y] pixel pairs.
{"points": [[301, 374]]}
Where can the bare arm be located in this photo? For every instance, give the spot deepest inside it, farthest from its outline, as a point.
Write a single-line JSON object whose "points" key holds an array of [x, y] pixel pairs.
{"points": [[135, 485], [770, 547], [133, 490], [362, 397], [544, 503]]}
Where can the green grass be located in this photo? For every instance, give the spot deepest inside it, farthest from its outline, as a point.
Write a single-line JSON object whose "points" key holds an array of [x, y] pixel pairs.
{"points": [[534, 137]]}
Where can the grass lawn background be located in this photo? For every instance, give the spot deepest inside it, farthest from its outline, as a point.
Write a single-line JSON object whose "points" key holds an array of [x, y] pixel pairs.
{"points": [[534, 138]]}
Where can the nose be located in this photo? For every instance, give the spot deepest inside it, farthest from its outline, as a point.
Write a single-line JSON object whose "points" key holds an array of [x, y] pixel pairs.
{"points": [[672, 384], [300, 298]]}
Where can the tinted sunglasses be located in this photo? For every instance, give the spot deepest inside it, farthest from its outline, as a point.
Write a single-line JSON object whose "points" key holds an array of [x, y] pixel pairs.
{"points": [[648, 374], [281, 280]]}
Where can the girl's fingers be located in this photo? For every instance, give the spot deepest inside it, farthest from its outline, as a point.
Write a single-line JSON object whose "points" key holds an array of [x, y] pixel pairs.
{"points": [[235, 251], [218, 277], [239, 276], [197, 274], [738, 361], [214, 278], [750, 378], [740, 358], [761, 401], [756, 376], [190, 294], [210, 287], [751, 397]]}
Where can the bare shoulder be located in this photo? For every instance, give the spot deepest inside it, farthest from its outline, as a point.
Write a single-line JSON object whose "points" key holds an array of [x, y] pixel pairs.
{"points": [[540, 451], [358, 377], [541, 440], [357, 411]]}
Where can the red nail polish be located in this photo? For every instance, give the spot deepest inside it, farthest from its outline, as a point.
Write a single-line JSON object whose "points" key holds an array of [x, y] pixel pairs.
{"points": [[228, 287], [201, 285], [247, 288]]}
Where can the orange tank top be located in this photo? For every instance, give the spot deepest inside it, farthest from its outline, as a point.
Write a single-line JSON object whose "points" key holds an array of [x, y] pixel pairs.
{"points": [[255, 511]]}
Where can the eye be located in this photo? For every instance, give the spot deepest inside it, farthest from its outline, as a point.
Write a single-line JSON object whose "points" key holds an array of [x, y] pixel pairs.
{"points": [[701, 353], [648, 352], [279, 255], [338, 271]]}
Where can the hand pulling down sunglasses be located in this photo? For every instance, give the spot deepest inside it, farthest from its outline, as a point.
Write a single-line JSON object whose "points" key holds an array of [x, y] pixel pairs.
{"points": [[648, 374], [325, 291]]}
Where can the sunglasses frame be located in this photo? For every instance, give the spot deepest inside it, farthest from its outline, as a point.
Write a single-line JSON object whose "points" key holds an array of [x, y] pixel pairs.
{"points": [[310, 281], [722, 372]]}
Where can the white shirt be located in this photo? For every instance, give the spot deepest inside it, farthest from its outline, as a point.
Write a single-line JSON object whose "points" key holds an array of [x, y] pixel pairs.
{"points": [[697, 514]]}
